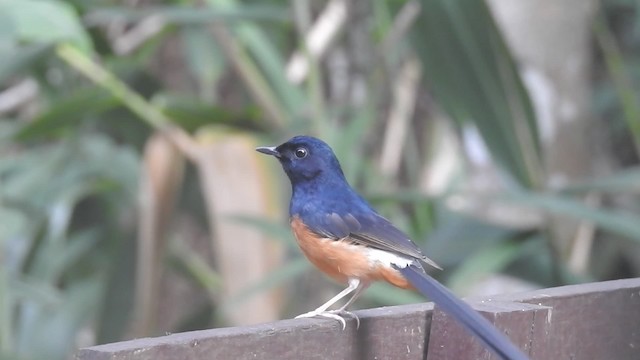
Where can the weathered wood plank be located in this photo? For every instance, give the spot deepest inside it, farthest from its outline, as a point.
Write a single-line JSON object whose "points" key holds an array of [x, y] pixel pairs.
{"points": [[395, 332], [589, 321], [524, 324]]}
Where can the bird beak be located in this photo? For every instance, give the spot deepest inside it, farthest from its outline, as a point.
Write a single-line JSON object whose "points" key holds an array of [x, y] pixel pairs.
{"points": [[269, 150]]}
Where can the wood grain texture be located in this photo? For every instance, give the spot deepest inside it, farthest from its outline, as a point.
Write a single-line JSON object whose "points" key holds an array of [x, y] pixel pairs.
{"points": [[397, 332], [524, 324], [589, 321]]}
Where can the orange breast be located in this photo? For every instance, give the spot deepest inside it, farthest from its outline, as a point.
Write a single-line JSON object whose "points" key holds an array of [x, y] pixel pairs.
{"points": [[342, 260]]}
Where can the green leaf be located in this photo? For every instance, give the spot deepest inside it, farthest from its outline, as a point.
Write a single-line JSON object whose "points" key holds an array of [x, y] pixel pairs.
{"points": [[471, 73], [28, 288], [43, 22], [48, 292], [623, 181], [53, 260], [270, 228], [267, 55], [286, 273], [7, 300], [49, 333], [457, 237], [14, 60], [114, 316], [273, 65], [44, 174], [620, 76], [196, 267], [383, 293], [204, 59], [66, 113], [189, 15], [615, 221], [350, 137], [487, 261], [8, 30], [192, 114]]}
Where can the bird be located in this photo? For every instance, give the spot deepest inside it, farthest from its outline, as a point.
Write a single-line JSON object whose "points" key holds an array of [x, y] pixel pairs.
{"points": [[346, 238]]}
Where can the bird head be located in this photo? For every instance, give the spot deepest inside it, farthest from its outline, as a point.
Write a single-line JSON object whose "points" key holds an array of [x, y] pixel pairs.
{"points": [[305, 158]]}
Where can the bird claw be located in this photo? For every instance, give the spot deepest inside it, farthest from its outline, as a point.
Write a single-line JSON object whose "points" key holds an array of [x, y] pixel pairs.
{"points": [[333, 314], [345, 312], [326, 314]]}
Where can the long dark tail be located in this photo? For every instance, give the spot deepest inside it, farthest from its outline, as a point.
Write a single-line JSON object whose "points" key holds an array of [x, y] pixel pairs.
{"points": [[462, 312]]}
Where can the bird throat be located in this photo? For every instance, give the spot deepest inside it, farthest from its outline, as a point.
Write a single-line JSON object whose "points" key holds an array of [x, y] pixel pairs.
{"points": [[318, 194]]}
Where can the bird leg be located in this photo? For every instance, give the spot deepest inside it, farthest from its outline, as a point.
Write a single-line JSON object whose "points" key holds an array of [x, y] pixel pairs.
{"points": [[354, 284], [359, 290]]}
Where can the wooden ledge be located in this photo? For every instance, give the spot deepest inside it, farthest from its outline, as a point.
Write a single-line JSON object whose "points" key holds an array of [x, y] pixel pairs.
{"points": [[588, 321]]}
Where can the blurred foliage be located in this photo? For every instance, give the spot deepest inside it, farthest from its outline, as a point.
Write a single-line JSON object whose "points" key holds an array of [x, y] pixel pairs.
{"points": [[83, 83]]}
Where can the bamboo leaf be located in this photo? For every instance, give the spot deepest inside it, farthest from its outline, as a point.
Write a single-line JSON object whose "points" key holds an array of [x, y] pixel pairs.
{"points": [[276, 278], [269, 228], [489, 260], [624, 181], [614, 221], [204, 59], [383, 293], [43, 22], [471, 73], [15, 60], [55, 328], [619, 73], [67, 112], [192, 114], [188, 15], [270, 61]]}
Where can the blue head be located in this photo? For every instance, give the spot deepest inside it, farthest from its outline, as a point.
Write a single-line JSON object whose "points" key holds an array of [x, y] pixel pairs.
{"points": [[319, 186], [317, 180], [307, 160]]}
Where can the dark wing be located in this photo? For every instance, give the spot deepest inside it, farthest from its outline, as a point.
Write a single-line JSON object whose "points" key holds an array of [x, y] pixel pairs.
{"points": [[370, 230]]}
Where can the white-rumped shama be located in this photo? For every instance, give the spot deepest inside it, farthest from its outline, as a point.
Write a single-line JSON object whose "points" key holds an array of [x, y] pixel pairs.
{"points": [[342, 235]]}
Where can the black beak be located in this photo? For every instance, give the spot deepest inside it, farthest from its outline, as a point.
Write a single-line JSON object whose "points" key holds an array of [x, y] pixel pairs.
{"points": [[269, 150]]}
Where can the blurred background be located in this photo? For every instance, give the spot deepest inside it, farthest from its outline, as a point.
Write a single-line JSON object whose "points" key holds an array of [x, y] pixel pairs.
{"points": [[502, 135]]}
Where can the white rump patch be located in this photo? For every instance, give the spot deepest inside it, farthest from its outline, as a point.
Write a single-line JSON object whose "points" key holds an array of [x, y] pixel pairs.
{"points": [[387, 258]]}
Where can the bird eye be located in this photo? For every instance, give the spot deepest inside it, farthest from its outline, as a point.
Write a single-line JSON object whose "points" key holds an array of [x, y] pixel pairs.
{"points": [[301, 153]]}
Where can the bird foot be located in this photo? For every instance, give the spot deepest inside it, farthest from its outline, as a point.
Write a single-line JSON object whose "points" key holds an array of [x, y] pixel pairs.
{"points": [[333, 314], [349, 313]]}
